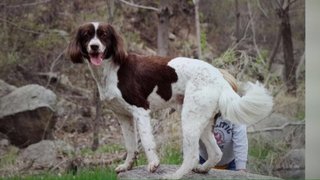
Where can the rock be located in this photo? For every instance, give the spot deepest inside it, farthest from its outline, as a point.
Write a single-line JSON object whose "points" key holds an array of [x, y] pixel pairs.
{"points": [[277, 128], [141, 172], [292, 165], [172, 37], [4, 143], [5, 88], [26, 114], [45, 155]]}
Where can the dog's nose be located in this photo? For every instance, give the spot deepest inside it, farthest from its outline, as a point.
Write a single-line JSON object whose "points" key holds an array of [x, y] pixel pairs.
{"points": [[94, 47]]}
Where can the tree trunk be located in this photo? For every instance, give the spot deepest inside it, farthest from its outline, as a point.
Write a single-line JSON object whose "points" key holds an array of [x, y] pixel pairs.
{"points": [[95, 142], [237, 21], [275, 48], [110, 7], [290, 64], [198, 30], [163, 28], [5, 26]]}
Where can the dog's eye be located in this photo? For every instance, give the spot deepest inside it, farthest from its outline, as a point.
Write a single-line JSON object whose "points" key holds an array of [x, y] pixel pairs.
{"points": [[104, 34], [86, 35]]}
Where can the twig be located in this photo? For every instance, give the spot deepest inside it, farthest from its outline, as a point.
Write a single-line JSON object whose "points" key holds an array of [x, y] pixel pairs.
{"points": [[139, 6], [66, 117], [254, 33], [261, 9], [95, 142], [301, 61], [279, 3], [87, 162], [20, 28], [58, 164], [280, 128], [243, 37], [53, 65], [28, 4], [246, 62], [291, 2]]}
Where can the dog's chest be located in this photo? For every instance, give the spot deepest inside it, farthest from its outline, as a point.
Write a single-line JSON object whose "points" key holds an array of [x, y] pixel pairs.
{"points": [[110, 92], [106, 79]]}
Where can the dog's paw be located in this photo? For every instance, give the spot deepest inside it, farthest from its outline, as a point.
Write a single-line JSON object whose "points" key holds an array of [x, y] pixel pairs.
{"points": [[153, 166], [122, 168], [200, 169]]}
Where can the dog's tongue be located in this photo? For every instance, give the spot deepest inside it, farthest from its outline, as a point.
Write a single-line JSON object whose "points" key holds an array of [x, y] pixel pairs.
{"points": [[96, 59]]}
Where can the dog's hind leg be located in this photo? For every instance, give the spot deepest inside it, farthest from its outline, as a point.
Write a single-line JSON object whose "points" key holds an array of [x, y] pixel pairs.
{"points": [[196, 113], [127, 127], [213, 151]]}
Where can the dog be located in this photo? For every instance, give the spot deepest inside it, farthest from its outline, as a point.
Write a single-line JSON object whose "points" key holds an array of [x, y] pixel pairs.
{"points": [[134, 85]]}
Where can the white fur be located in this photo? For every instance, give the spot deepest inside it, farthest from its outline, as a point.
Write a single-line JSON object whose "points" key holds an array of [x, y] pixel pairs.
{"points": [[96, 41], [246, 109], [205, 92]]}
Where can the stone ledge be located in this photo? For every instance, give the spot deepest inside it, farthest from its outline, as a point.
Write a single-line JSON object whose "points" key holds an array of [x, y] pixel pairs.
{"points": [[141, 172]]}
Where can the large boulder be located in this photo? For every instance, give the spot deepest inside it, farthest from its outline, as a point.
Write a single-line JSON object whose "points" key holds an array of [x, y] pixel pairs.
{"points": [[141, 172], [284, 139], [45, 155], [26, 114], [5, 88]]}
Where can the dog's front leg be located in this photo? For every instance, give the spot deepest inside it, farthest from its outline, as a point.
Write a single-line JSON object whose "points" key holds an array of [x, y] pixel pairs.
{"points": [[127, 127], [142, 117]]}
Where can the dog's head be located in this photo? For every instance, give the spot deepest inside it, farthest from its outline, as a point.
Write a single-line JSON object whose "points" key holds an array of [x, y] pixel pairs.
{"points": [[96, 42]]}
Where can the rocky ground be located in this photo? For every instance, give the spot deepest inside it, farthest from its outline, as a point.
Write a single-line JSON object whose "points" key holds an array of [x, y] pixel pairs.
{"points": [[67, 136]]}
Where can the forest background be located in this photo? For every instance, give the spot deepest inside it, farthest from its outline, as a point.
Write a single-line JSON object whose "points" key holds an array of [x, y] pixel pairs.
{"points": [[253, 39]]}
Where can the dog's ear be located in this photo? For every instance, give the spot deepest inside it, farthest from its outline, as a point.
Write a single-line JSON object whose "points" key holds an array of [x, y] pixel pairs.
{"points": [[74, 49], [118, 46]]}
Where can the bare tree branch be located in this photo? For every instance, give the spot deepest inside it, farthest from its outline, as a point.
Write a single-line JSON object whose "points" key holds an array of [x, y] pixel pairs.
{"points": [[279, 3], [139, 6], [281, 128], [198, 30], [28, 4], [291, 2], [20, 28], [299, 67], [262, 10], [53, 64], [254, 33], [243, 37]]}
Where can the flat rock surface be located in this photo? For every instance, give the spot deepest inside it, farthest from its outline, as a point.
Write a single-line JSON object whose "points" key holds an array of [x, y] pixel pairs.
{"points": [[141, 172]]}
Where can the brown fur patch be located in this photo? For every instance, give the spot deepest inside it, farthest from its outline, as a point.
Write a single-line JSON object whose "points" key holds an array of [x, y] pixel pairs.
{"points": [[139, 75], [76, 49], [113, 42]]}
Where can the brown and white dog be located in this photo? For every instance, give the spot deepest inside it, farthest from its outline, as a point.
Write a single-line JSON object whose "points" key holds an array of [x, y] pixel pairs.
{"points": [[133, 85]]}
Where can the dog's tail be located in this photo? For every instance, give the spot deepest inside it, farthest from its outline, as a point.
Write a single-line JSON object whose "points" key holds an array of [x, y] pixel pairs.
{"points": [[254, 105]]}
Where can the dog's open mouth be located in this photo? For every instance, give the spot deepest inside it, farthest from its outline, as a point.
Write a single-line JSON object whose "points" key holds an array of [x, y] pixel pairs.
{"points": [[96, 58]]}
